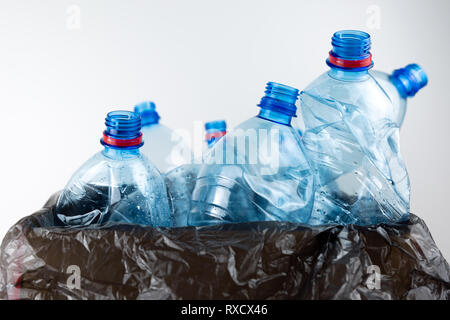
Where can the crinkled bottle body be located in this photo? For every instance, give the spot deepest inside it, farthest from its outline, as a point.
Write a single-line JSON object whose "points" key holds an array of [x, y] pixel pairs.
{"points": [[181, 180], [115, 186], [398, 102], [257, 172], [180, 183], [352, 143]]}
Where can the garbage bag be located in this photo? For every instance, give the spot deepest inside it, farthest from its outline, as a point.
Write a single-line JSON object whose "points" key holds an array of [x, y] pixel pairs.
{"points": [[258, 260]]}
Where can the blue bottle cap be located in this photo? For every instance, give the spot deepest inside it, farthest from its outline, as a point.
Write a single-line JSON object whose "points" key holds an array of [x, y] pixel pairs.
{"points": [[123, 130], [147, 111], [411, 79], [219, 125], [280, 98]]}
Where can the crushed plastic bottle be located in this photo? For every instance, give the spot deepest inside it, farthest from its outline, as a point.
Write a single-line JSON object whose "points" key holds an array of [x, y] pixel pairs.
{"points": [[180, 181], [163, 147], [117, 184], [352, 142], [258, 171], [403, 83]]}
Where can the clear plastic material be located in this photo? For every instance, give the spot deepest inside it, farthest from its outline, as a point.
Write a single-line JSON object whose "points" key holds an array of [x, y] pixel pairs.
{"points": [[180, 183], [398, 102], [117, 184], [400, 85], [353, 146], [163, 146], [258, 171]]}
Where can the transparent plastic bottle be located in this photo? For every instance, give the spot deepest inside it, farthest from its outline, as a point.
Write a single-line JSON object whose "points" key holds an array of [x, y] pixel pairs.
{"points": [[180, 181], [163, 146], [117, 184], [351, 140], [257, 171], [401, 84]]}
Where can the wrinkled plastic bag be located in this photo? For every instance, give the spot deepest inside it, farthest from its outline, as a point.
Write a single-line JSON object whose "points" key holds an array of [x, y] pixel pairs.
{"points": [[260, 260]]}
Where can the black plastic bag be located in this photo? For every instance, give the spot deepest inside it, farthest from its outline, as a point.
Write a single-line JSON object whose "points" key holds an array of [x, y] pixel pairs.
{"points": [[267, 260]]}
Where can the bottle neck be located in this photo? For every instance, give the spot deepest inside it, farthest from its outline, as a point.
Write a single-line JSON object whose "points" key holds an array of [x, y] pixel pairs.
{"points": [[347, 75], [399, 86], [409, 80], [121, 153], [275, 116]]}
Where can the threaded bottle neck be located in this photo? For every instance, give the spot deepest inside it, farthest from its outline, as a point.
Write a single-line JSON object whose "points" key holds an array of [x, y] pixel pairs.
{"points": [[280, 98], [123, 130], [147, 111], [351, 51], [409, 80]]}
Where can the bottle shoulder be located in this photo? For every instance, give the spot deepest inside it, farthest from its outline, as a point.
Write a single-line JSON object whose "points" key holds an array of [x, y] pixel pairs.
{"points": [[366, 95], [257, 123], [395, 96], [379, 75], [264, 129], [384, 81], [328, 83], [100, 168]]}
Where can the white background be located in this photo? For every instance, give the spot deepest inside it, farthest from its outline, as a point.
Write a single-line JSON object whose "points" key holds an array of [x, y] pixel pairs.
{"points": [[60, 72]]}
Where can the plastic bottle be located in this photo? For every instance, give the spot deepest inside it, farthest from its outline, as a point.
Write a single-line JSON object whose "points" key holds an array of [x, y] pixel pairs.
{"points": [[214, 130], [401, 84], [351, 140], [180, 181], [163, 146], [257, 171], [117, 184]]}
